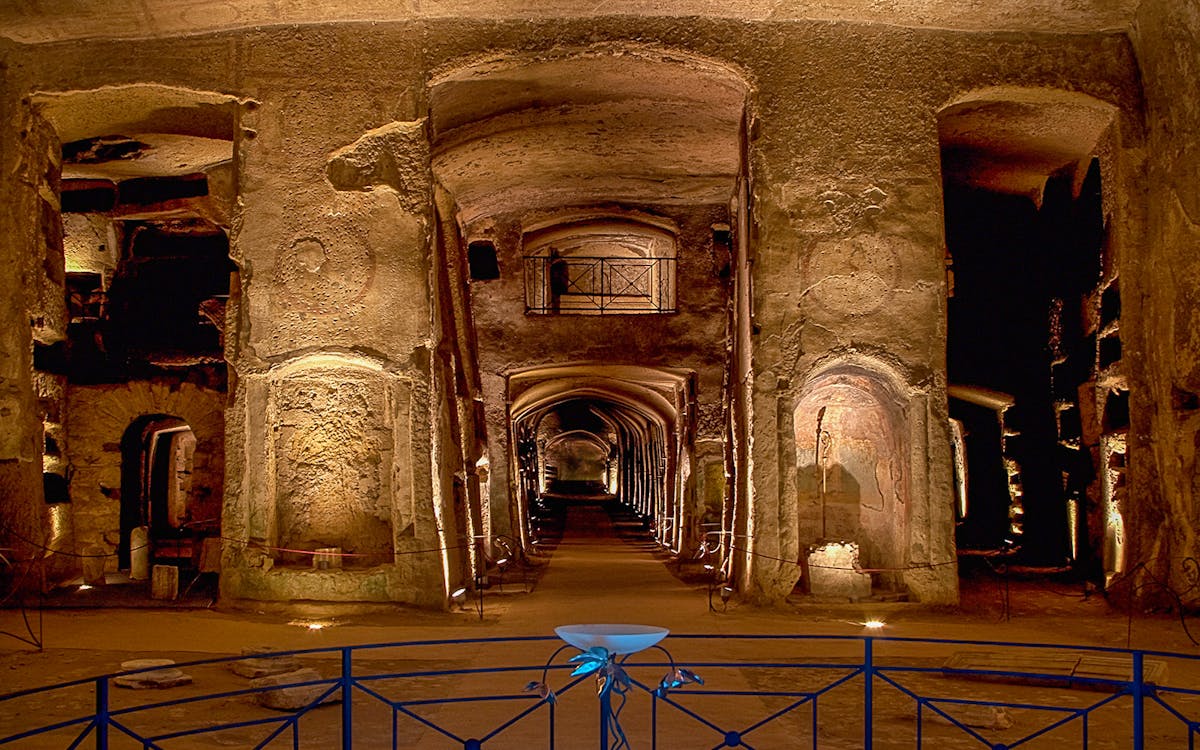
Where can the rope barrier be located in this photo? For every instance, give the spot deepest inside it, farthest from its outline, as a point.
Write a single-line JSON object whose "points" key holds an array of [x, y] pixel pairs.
{"points": [[246, 543], [856, 569]]}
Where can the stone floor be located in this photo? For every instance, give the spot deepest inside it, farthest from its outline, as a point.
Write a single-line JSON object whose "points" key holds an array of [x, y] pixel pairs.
{"points": [[595, 573]]}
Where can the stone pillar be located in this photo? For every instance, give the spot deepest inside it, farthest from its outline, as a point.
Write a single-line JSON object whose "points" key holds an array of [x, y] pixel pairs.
{"points": [[1160, 307], [849, 278], [30, 254], [333, 406], [504, 485]]}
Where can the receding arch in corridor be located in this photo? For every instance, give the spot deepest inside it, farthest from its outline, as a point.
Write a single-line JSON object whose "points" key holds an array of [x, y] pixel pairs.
{"points": [[625, 427]]}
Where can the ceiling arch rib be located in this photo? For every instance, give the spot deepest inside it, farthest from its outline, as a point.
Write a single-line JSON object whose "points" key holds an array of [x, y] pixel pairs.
{"points": [[580, 435], [640, 400]]}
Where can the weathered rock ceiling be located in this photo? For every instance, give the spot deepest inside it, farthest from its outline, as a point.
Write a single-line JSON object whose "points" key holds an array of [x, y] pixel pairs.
{"points": [[178, 131], [1011, 141], [547, 134], [34, 21]]}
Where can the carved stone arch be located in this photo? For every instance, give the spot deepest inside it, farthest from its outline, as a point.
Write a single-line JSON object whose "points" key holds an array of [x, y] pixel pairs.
{"points": [[1009, 138]]}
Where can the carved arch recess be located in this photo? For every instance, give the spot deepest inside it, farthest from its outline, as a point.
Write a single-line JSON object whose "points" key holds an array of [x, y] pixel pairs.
{"points": [[851, 427]]}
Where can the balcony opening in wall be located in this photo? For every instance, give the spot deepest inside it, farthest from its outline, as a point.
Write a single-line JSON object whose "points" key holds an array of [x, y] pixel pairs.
{"points": [[600, 266]]}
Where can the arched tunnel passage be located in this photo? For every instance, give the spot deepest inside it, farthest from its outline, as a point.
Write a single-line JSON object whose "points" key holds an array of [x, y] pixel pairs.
{"points": [[604, 181], [602, 451], [1034, 327], [578, 450]]}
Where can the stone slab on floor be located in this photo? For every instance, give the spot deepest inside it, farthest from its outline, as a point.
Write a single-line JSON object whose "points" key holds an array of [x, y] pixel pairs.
{"points": [[259, 663], [833, 572], [164, 677], [296, 696]]}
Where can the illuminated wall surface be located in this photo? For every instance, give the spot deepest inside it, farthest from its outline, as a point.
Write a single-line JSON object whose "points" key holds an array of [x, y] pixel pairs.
{"points": [[330, 306]]}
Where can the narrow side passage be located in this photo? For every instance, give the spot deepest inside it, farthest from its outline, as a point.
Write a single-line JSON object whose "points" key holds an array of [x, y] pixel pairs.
{"points": [[600, 574]]}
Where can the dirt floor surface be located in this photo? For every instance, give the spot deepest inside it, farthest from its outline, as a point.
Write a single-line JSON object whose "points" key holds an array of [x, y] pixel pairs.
{"points": [[597, 572]]}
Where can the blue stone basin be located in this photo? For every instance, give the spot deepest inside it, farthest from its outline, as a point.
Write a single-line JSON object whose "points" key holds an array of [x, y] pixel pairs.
{"points": [[617, 638]]}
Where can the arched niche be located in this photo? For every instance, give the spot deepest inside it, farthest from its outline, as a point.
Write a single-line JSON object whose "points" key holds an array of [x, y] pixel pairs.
{"points": [[332, 445], [852, 464], [157, 459]]}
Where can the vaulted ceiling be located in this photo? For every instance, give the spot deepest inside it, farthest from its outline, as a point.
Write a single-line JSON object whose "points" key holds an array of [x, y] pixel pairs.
{"points": [[34, 21], [544, 134]]}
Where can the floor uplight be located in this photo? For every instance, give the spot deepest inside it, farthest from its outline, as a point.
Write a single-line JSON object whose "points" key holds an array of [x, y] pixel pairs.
{"points": [[312, 625]]}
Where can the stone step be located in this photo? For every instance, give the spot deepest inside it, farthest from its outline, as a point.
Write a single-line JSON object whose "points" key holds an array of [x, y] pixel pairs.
{"points": [[1059, 669]]}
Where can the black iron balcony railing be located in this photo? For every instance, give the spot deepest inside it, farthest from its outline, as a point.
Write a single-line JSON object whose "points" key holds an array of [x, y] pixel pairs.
{"points": [[590, 285]]}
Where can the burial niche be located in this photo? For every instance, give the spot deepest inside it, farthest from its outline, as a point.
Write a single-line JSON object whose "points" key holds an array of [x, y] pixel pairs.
{"points": [[850, 453]]}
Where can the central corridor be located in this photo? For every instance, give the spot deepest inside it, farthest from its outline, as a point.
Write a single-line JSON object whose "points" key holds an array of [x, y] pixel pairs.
{"points": [[605, 569]]}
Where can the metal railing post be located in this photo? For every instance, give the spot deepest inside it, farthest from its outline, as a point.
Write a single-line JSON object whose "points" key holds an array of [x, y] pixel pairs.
{"points": [[102, 713], [868, 691], [347, 713], [1138, 691], [605, 718]]}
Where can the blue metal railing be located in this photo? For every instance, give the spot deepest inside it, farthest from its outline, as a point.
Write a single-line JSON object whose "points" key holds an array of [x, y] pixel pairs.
{"points": [[784, 691]]}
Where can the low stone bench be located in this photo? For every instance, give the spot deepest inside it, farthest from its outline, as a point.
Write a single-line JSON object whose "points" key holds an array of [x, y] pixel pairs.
{"points": [[1052, 669], [261, 662]]}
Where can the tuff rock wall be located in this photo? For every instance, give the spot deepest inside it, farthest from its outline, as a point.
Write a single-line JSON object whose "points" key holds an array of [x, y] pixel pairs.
{"points": [[334, 397], [1165, 388]]}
